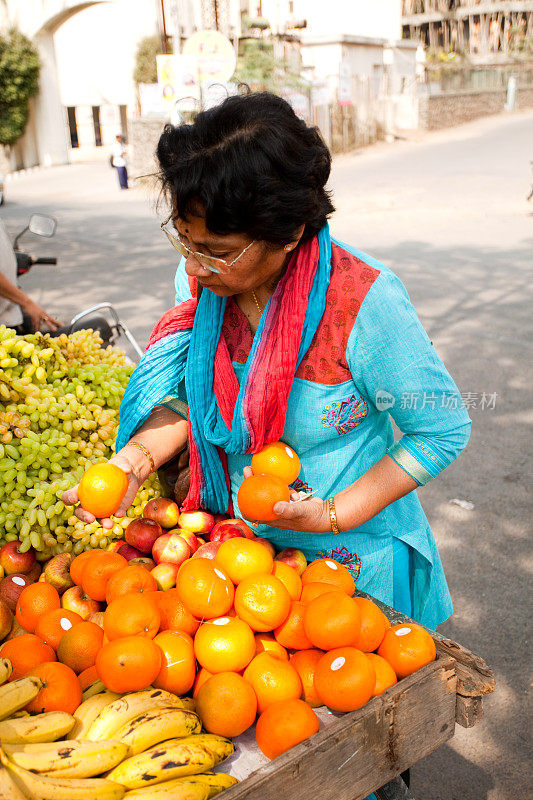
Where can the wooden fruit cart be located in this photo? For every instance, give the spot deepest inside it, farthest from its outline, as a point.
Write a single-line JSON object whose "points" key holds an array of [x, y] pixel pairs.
{"points": [[367, 749]]}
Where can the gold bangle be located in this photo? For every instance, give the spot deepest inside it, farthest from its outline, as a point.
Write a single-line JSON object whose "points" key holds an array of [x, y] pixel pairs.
{"points": [[146, 452], [333, 515]]}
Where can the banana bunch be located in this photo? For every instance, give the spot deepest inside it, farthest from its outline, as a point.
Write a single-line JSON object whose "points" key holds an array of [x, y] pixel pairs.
{"points": [[149, 742]]}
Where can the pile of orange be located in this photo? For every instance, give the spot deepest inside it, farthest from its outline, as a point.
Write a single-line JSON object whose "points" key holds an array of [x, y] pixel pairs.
{"points": [[247, 635]]}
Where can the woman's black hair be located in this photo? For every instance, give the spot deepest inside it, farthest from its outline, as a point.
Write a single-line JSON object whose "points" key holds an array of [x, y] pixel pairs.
{"points": [[252, 166]]}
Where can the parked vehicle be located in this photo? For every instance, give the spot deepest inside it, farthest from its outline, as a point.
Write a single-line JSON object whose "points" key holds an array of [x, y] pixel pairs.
{"points": [[107, 322]]}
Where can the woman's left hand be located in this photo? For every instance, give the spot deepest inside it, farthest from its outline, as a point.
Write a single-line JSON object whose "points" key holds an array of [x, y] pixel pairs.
{"points": [[308, 516]]}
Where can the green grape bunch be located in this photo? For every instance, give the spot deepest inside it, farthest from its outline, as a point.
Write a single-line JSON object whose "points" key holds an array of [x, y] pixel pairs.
{"points": [[59, 413]]}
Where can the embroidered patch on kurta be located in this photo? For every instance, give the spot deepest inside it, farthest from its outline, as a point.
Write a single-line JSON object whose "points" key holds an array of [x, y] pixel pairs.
{"points": [[351, 561], [344, 415]]}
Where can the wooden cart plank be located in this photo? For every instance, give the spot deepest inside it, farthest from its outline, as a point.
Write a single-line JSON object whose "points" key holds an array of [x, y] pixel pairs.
{"points": [[365, 749], [468, 711]]}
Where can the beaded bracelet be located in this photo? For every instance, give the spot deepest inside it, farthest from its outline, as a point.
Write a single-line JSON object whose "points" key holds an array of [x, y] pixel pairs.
{"points": [[333, 516], [146, 452]]}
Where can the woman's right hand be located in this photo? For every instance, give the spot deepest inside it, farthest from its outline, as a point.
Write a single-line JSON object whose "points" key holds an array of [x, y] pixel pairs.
{"points": [[71, 497]]}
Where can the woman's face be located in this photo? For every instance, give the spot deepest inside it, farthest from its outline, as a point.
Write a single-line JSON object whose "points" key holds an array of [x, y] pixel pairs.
{"points": [[260, 263]]}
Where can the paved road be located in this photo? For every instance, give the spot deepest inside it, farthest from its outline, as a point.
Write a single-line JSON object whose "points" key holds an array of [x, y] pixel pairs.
{"points": [[448, 214]]}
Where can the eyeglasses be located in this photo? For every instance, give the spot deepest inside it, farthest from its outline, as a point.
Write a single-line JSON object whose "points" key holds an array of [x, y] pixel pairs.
{"points": [[211, 263]]}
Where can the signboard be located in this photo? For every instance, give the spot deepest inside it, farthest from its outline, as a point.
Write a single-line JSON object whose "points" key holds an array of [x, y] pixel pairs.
{"points": [[177, 78], [151, 100], [214, 55]]}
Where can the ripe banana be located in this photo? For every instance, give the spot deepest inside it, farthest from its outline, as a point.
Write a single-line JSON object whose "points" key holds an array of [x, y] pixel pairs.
{"points": [[177, 789], [92, 689], [118, 713], [147, 729], [215, 781], [68, 759], [188, 703], [88, 712], [5, 670], [39, 787], [17, 694], [8, 788], [221, 747], [46, 727], [163, 762]]}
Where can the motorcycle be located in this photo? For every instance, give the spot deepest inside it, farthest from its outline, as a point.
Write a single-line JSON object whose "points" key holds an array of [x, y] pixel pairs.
{"points": [[107, 323]]}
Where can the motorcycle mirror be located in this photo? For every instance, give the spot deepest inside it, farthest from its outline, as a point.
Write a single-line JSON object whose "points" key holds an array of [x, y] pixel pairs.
{"points": [[42, 225]]}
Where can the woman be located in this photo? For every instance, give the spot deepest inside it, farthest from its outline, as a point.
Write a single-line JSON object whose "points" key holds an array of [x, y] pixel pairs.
{"points": [[288, 334]]}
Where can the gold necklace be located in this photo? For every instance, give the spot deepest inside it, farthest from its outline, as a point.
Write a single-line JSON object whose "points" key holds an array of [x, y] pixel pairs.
{"points": [[257, 302]]}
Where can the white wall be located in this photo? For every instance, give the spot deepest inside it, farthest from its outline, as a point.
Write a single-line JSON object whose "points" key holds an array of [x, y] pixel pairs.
{"points": [[95, 52]]}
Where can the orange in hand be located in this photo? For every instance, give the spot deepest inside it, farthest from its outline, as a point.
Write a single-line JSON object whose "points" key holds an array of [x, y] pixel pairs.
{"points": [[132, 615], [79, 646], [204, 588], [291, 633], [226, 704], [304, 662], [277, 459], [258, 495], [102, 489], [53, 625], [26, 652], [178, 667], [407, 647], [129, 664], [344, 679], [34, 601], [326, 570], [272, 679], [225, 644], [263, 602], [374, 623], [385, 675], [284, 725], [128, 580], [61, 689], [241, 558]]}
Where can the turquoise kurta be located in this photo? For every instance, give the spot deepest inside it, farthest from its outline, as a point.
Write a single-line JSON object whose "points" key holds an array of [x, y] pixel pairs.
{"points": [[370, 362]]}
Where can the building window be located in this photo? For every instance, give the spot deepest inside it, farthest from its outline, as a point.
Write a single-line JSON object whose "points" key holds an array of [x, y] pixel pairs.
{"points": [[96, 124], [72, 126]]}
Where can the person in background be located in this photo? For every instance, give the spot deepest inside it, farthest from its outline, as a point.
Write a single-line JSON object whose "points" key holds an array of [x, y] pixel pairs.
{"points": [[118, 160], [15, 305]]}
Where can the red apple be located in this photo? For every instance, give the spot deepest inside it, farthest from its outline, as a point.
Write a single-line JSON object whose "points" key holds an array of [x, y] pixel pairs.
{"points": [[141, 533], [13, 561], [269, 546], [6, 620], [10, 588], [115, 545], [143, 561], [294, 558], [165, 575], [189, 537], [76, 600], [171, 548], [57, 572], [16, 630], [129, 552], [35, 573], [221, 530], [163, 511], [196, 521], [208, 550]]}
